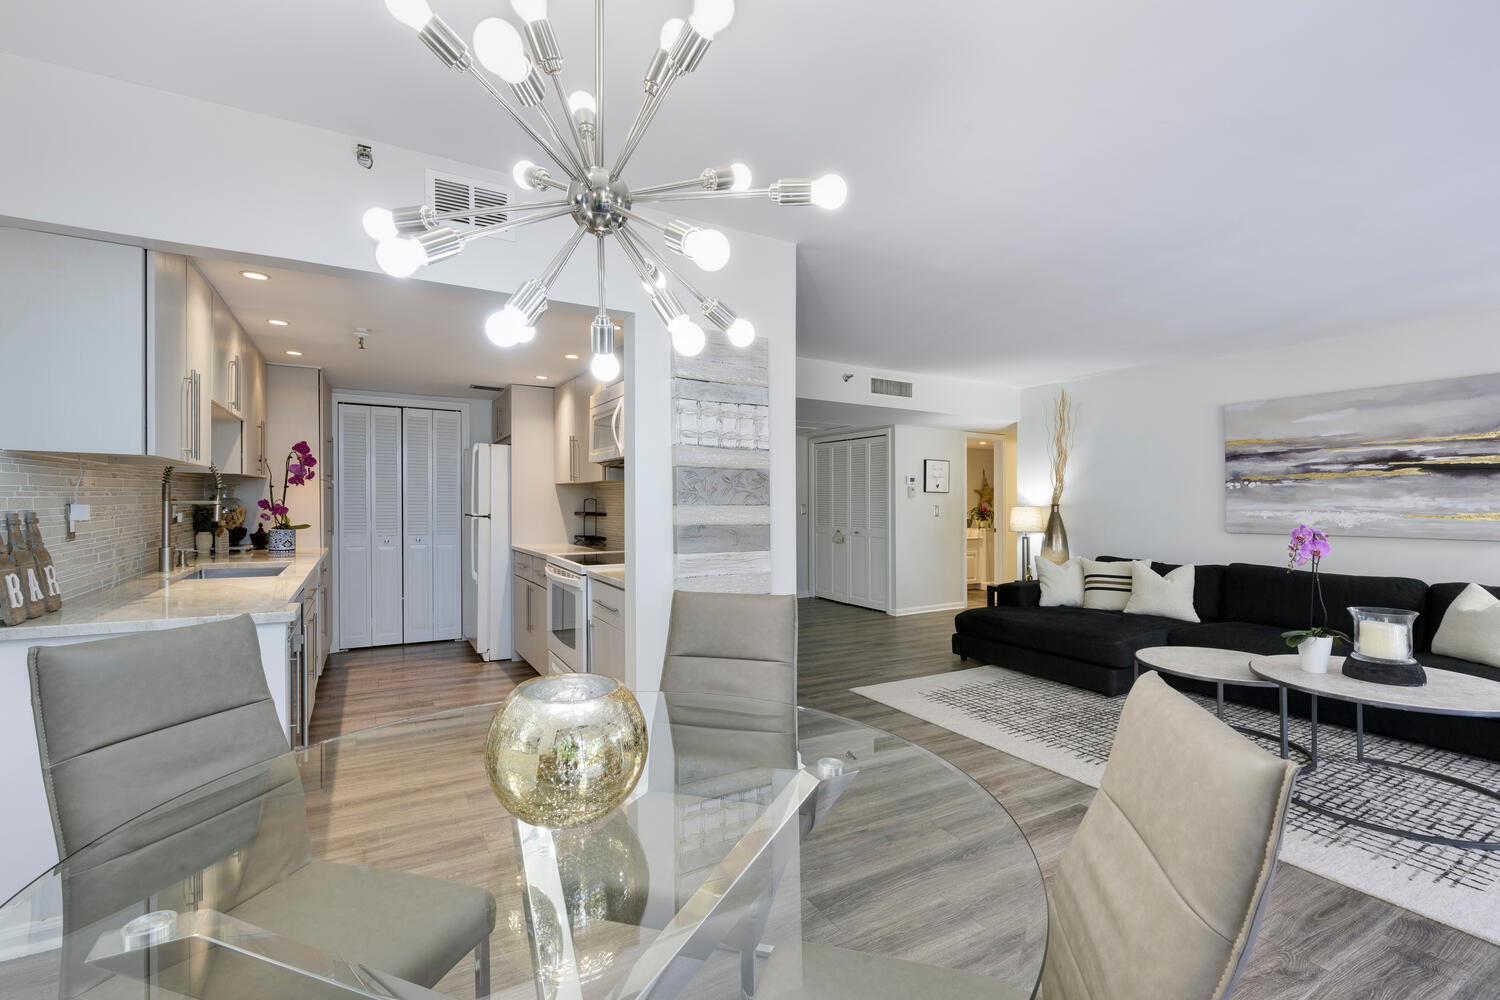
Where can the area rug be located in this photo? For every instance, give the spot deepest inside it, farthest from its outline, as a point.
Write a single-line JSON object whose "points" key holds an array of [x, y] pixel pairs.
{"points": [[1070, 731]]}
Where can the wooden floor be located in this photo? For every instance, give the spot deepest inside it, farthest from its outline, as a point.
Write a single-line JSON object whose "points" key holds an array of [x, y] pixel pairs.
{"points": [[1319, 940], [366, 687]]}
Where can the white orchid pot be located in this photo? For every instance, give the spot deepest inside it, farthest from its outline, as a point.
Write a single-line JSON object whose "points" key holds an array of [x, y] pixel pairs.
{"points": [[1314, 653]]}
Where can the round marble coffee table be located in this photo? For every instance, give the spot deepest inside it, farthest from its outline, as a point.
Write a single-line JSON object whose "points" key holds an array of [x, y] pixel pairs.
{"points": [[1445, 693], [1218, 667]]}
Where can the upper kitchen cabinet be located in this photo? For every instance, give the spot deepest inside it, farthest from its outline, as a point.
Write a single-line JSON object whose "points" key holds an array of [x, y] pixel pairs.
{"points": [[71, 322], [255, 444], [570, 412], [229, 362]]}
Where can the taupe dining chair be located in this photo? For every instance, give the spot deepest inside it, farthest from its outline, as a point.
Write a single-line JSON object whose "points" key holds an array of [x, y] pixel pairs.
{"points": [[184, 716], [1160, 894]]}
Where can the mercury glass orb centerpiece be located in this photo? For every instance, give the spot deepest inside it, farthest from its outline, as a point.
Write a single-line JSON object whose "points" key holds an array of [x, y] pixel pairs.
{"points": [[565, 750]]}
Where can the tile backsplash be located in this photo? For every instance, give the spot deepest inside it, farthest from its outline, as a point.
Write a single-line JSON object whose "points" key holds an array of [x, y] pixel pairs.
{"points": [[611, 497], [121, 538]]}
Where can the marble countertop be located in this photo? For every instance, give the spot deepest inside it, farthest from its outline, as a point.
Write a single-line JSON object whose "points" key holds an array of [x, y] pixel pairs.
{"points": [[612, 575], [545, 549], [167, 600]]}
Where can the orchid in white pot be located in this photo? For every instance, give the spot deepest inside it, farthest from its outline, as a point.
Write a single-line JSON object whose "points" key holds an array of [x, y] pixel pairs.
{"points": [[1313, 644]]}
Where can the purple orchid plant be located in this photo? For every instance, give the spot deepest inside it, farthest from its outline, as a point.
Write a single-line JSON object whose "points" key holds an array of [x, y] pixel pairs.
{"points": [[297, 470], [1308, 546]]}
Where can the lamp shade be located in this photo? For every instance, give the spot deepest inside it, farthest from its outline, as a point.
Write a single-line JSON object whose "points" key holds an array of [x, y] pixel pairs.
{"points": [[1028, 520]]}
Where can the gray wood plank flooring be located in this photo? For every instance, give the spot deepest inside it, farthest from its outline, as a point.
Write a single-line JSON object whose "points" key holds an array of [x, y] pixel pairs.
{"points": [[1319, 940]]}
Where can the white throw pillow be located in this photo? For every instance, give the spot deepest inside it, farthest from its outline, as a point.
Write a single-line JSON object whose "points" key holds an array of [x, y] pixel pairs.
{"points": [[1106, 585], [1470, 629], [1169, 596], [1062, 586]]}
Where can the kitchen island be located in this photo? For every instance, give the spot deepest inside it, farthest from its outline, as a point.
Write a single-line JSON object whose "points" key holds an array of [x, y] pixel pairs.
{"points": [[287, 605]]}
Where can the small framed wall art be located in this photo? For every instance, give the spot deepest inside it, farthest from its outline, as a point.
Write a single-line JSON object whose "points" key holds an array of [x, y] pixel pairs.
{"points": [[935, 475]]}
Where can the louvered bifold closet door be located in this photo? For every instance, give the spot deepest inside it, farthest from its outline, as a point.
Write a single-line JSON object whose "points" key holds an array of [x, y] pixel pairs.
{"points": [[859, 522], [878, 529], [822, 541], [839, 508], [385, 507], [416, 565], [447, 525], [354, 526]]}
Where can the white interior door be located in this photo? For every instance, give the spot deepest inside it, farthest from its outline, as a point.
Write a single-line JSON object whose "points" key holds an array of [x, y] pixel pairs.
{"points": [[851, 521], [416, 565], [447, 525], [385, 506], [354, 525]]}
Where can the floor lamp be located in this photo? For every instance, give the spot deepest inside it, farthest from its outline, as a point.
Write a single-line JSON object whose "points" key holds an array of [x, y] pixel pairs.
{"points": [[1027, 521]]}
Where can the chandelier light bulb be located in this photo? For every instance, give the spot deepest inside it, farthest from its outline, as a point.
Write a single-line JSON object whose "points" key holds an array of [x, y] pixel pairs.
{"points": [[741, 333], [413, 13], [380, 224], [581, 100], [711, 16], [741, 177], [829, 191], [530, 10], [400, 258], [498, 47], [521, 174], [669, 33], [708, 248], [605, 367], [687, 336], [504, 327]]}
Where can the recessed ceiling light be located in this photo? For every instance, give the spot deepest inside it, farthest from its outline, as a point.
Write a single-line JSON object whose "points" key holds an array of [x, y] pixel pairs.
{"points": [[295, 354], [277, 322], [570, 357], [541, 378], [255, 276]]}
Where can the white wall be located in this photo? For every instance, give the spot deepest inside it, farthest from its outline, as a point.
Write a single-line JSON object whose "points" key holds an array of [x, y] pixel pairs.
{"points": [[982, 405], [1146, 479], [927, 550], [185, 174]]}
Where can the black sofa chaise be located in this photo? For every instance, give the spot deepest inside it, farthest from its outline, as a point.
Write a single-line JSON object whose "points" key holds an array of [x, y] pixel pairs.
{"points": [[1240, 606]]}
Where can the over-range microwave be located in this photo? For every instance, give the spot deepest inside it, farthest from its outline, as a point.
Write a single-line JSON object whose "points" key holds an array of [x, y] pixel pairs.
{"points": [[607, 425]]}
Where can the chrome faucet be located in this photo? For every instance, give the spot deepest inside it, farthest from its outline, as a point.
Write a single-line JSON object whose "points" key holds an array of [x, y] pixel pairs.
{"points": [[167, 503]]}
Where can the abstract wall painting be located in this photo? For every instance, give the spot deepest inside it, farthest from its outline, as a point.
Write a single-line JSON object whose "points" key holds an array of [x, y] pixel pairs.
{"points": [[1420, 460]]}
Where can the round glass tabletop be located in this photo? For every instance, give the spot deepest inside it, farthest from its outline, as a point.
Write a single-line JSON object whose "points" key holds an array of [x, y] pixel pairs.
{"points": [[783, 851]]}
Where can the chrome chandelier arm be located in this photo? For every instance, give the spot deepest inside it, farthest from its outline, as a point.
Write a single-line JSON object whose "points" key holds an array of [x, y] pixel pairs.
{"points": [[516, 224], [649, 107], [526, 126], [574, 151], [660, 227], [644, 250], [658, 194], [599, 93], [603, 312], [560, 260], [578, 143]]}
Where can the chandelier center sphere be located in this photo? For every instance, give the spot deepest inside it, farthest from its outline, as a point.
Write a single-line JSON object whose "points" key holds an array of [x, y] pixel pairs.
{"points": [[597, 201]]}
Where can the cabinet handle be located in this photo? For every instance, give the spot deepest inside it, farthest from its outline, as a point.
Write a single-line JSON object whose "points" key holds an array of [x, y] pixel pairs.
{"points": [[197, 416], [606, 607], [185, 412], [262, 447]]}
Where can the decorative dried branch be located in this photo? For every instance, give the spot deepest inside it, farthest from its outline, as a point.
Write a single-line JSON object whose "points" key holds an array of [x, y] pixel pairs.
{"points": [[1062, 426]]}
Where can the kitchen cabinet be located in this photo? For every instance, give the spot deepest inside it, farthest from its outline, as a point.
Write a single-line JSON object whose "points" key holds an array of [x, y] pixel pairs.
{"points": [[254, 447], [228, 359], [179, 328], [570, 412], [502, 417], [529, 609], [606, 629]]}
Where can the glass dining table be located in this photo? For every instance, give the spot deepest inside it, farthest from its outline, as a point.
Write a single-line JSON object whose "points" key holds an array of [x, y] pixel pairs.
{"points": [[768, 851]]}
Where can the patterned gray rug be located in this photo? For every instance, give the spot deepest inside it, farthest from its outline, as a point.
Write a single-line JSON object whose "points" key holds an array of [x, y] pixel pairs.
{"points": [[1070, 731]]}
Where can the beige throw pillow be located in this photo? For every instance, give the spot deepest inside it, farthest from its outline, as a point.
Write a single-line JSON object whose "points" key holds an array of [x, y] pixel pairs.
{"points": [[1062, 586], [1169, 596], [1106, 585], [1470, 629]]}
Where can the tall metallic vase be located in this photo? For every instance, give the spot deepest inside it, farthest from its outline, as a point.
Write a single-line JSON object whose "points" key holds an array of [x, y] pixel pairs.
{"points": [[1055, 539]]}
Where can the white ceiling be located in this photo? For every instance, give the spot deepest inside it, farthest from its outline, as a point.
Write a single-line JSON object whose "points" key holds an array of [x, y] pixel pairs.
{"points": [[1038, 190], [425, 338]]}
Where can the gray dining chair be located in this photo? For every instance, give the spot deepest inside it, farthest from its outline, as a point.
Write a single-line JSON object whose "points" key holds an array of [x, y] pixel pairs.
{"points": [[176, 729], [1158, 897]]}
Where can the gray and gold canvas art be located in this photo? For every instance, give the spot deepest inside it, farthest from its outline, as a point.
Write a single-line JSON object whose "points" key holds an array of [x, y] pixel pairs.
{"points": [[1420, 460]]}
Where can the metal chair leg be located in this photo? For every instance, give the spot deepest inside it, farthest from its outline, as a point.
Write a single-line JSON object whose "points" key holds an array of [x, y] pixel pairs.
{"points": [[482, 969]]}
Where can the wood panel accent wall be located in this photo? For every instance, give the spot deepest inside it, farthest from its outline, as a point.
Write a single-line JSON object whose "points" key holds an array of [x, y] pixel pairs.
{"points": [[721, 468]]}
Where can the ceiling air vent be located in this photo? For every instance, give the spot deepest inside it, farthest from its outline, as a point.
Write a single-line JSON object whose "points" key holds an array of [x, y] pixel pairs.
{"points": [[448, 193], [890, 387]]}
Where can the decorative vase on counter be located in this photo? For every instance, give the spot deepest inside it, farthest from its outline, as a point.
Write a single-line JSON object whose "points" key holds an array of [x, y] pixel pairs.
{"points": [[203, 542], [565, 750], [282, 540], [1055, 539]]}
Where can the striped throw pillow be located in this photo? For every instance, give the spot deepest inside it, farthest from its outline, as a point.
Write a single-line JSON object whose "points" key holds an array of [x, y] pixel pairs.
{"points": [[1106, 585]]}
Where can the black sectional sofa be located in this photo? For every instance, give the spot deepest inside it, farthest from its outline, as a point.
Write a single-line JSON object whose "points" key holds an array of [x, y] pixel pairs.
{"points": [[1241, 606]]}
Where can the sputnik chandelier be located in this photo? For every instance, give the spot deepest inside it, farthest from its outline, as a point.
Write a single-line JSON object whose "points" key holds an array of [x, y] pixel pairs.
{"points": [[592, 193]]}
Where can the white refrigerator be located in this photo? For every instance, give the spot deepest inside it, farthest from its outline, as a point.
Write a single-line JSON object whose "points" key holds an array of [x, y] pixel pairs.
{"points": [[487, 588]]}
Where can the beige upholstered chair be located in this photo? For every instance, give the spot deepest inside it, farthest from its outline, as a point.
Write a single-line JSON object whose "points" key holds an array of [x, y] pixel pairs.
{"points": [[183, 716], [1160, 894]]}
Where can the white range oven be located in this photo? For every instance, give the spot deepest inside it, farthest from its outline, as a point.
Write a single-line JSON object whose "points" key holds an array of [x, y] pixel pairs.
{"points": [[568, 608]]}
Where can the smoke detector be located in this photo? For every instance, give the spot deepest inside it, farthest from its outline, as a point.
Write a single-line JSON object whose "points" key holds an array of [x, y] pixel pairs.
{"points": [[360, 333]]}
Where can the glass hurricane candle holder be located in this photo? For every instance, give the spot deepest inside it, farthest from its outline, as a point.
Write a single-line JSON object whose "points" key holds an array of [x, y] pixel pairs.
{"points": [[1383, 648], [565, 750]]}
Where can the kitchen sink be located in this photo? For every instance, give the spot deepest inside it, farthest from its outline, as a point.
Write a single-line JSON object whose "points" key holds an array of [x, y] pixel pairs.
{"points": [[223, 572]]}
